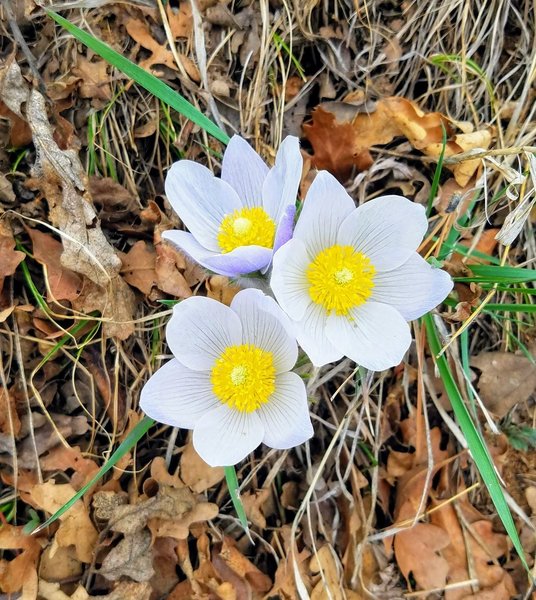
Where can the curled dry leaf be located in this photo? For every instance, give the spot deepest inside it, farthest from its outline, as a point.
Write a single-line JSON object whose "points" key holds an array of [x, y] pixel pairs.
{"points": [[63, 182], [76, 528], [342, 135]]}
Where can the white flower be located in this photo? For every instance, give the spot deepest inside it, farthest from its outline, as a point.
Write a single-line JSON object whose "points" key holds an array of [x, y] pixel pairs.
{"points": [[351, 277], [238, 220], [230, 379]]}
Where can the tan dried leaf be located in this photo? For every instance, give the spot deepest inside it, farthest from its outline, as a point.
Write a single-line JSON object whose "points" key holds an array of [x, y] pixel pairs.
{"points": [[196, 473], [505, 380], [63, 284], [342, 135], [76, 528], [94, 78], [19, 573], [138, 267]]}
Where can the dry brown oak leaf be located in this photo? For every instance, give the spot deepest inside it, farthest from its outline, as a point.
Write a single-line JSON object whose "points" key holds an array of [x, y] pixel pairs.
{"points": [[342, 134]]}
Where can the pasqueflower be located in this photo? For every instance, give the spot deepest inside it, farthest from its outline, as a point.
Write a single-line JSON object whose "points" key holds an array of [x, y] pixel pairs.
{"points": [[350, 278], [230, 380], [237, 220]]}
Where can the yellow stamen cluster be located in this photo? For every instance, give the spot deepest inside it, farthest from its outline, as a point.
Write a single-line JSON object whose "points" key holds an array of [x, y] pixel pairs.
{"points": [[341, 278], [244, 377], [246, 227]]}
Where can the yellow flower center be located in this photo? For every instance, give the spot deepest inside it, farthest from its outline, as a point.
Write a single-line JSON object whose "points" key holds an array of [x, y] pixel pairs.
{"points": [[340, 279], [244, 377], [246, 227]]}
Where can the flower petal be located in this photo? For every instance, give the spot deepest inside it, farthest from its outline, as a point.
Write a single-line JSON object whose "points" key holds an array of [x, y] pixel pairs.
{"points": [[413, 289], [387, 229], [312, 337], [326, 206], [374, 335], [244, 170], [285, 227], [178, 396], [262, 326], [225, 436], [280, 187], [289, 281], [200, 199], [241, 260], [200, 330], [285, 416], [188, 244]]}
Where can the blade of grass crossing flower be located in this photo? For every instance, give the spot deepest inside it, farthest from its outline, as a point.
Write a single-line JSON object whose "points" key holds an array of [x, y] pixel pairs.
{"points": [[234, 492], [437, 174], [125, 446], [147, 80], [476, 445]]}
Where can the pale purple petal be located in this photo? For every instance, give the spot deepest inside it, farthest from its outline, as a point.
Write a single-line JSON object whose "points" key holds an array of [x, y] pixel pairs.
{"points": [[387, 230], [178, 396], [280, 187], [226, 436], [285, 227], [244, 170], [241, 260], [285, 416], [201, 200], [325, 207], [413, 288], [200, 330]]}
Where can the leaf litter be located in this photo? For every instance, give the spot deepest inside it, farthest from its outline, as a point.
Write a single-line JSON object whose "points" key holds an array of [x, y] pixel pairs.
{"points": [[396, 507]]}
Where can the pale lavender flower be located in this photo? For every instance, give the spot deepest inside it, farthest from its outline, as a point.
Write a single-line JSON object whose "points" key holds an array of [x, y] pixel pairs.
{"points": [[235, 221]]}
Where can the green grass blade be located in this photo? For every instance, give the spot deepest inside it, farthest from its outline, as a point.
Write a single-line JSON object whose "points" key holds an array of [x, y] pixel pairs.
{"points": [[232, 484], [437, 173], [125, 446], [477, 447], [146, 80], [497, 274]]}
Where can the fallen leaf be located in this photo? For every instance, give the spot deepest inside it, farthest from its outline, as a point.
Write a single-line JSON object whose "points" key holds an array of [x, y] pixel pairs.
{"points": [[114, 203], [227, 559], [59, 564], [505, 380], [10, 423], [169, 268], [342, 135], [139, 267], [63, 284], [330, 583], [180, 20], [11, 258], [63, 182], [19, 573], [130, 558], [195, 472], [76, 528], [94, 81], [219, 288]]}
